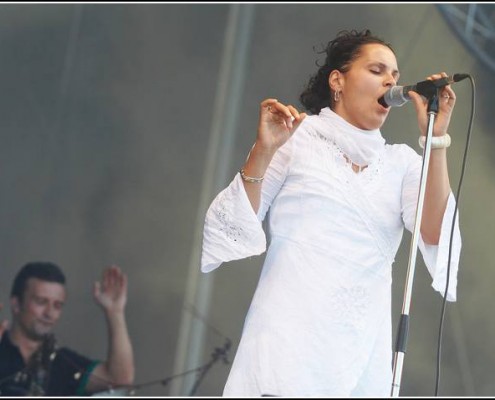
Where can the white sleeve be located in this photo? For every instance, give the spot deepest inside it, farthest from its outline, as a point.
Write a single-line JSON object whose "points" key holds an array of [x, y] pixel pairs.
{"points": [[232, 229], [436, 257]]}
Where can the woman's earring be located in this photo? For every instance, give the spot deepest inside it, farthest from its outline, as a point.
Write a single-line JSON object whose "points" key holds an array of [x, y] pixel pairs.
{"points": [[336, 95]]}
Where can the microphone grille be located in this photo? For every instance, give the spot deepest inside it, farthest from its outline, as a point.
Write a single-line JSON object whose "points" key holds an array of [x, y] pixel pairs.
{"points": [[395, 97]]}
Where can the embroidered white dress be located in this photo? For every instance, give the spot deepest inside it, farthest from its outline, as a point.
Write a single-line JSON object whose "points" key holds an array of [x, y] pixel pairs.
{"points": [[320, 320]]}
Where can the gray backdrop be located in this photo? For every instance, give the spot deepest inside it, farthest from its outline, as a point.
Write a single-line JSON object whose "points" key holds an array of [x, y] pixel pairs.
{"points": [[119, 123]]}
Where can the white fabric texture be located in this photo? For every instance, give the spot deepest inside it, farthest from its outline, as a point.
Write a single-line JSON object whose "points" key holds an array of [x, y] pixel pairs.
{"points": [[320, 320], [360, 146]]}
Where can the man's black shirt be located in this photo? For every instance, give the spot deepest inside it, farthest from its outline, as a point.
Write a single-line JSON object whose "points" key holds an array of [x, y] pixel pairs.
{"points": [[66, 373]]}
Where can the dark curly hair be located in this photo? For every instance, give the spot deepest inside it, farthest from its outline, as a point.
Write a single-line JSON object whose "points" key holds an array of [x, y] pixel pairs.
{"points": [[340, 53]]}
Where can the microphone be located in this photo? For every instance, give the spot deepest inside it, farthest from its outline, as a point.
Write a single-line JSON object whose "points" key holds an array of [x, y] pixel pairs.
{"points": [[397, 96]]}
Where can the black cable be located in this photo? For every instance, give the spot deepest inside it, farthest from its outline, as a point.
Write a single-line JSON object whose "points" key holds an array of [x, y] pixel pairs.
{"points": [[457, 197], [164, 381], [218, 353]]}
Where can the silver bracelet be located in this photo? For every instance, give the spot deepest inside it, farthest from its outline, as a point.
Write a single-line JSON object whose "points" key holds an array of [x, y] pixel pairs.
{"points": [[250, 178], [437, 142]]}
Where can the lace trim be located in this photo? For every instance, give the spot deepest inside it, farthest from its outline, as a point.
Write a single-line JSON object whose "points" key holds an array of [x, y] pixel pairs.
{"points": [[367, 175], [224, 214]]}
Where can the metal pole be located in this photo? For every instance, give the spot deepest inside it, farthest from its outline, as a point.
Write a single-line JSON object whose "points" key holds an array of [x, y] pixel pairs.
{"points": [[401, 344], [226, 113]]}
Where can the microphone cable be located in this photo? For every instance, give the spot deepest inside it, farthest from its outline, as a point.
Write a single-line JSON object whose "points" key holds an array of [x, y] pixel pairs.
{"points": [[457, 197]]}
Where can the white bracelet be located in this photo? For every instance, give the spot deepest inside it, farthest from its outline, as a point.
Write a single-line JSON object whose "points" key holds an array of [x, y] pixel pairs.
{"points": [[250, 178], [437, 142]]}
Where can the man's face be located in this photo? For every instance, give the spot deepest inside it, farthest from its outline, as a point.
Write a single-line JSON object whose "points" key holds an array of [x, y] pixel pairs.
{"points": [[40, 308]]}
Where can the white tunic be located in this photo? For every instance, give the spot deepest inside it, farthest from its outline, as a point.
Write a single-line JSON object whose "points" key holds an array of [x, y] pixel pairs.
{"points": [[320, 320]]}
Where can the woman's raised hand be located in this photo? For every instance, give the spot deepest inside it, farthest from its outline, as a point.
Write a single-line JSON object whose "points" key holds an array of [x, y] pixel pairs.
{"points": [[277, 123]]}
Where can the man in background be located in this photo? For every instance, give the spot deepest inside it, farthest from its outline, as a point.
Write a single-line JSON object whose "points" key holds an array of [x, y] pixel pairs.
{"points": [[31, 362]]}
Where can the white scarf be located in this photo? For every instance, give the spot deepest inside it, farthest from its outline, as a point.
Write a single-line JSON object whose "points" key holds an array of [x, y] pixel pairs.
{"points": [[362, 147]]}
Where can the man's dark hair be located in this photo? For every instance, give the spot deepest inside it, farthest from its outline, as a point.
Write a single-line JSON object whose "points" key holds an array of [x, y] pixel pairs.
{"points": [[45, 271], [340, 53]]}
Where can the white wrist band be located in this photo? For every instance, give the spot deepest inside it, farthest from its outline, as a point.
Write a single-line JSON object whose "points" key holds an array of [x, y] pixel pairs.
{"points": [[437, 142]]}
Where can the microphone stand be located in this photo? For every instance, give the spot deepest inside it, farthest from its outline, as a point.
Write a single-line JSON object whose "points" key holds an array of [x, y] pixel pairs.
{"points": [[401, 344], [130, 390], [218, 353]]}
